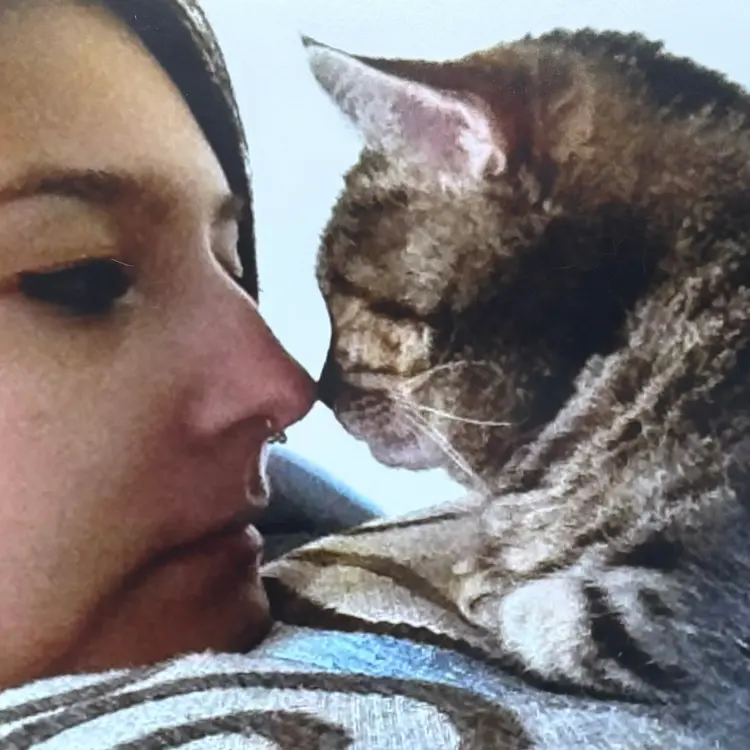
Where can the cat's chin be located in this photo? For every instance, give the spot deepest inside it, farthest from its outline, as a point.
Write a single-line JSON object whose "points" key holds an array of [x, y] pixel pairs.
{"points": [[392, 442], [404, 456]]}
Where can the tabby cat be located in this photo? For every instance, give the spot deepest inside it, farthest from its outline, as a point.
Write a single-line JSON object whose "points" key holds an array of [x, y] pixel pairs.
{"points": [[538, 278]]}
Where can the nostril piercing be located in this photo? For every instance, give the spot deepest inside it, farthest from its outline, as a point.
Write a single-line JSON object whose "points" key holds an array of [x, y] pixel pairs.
{"points": [[274, 435]]}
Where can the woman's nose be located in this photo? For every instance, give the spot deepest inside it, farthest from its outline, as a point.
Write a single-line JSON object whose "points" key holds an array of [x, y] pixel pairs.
{"points": [[247, 375]]}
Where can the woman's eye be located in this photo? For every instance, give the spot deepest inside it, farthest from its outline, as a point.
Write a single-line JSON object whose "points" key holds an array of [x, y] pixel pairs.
{"points": [[90, 287]]}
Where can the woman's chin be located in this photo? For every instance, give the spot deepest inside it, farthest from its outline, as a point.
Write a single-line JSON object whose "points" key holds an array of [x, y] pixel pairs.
{"points": [[147, 630]]}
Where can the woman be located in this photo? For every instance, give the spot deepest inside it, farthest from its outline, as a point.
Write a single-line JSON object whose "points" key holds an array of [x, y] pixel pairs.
{"points": [[139, 383]]}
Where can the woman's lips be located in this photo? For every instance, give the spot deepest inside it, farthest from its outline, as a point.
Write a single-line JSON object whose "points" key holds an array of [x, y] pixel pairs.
{"points": [[245, 542], [236, 538], [238, 533], [214, 564]]}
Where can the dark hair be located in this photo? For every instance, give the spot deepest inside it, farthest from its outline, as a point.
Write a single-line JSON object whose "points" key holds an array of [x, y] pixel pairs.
{"points": [[178, 35]]}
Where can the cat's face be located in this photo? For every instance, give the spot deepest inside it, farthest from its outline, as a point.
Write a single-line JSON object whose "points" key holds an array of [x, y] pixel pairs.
{"points": [[488, 245]]}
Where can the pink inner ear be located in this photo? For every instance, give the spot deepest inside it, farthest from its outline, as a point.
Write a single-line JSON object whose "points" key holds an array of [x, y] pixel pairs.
{"points": [[433, 127], [444, 134], [423, 125]]}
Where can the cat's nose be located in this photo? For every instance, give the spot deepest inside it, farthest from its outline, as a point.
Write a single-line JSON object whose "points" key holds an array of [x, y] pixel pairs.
{"points": [[330, 381]]}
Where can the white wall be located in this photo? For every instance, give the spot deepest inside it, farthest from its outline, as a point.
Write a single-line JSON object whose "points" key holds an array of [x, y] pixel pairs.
{"points": [[300, 146]]}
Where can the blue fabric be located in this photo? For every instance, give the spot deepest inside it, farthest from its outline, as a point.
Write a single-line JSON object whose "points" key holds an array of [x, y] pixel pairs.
{"points": [[306, 503]]}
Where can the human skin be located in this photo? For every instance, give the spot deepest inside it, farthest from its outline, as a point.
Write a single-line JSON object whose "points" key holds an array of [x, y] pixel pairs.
{"points": [[138, 388]]}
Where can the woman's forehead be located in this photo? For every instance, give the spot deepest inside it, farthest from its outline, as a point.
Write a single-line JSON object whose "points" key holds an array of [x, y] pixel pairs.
{"points": [[104, 130]]}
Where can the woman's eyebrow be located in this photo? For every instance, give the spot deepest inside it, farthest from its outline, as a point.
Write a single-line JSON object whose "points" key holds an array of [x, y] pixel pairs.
{"points": [[107, 189]]}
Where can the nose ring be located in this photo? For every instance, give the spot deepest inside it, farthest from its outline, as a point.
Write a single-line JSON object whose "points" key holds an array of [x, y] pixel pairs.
{"points": [[275, 437]]}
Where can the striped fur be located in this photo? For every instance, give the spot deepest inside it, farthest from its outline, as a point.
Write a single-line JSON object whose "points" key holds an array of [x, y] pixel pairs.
{"points": [[538, 278]]}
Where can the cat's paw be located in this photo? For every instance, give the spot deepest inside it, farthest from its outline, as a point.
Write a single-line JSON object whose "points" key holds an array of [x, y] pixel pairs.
{"points": [[606, 629]]}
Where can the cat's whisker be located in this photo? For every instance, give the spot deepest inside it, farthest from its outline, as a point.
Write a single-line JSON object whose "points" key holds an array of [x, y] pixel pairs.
{"points": [[410, 411], [418, 422], [463, 420], [415, 381], [430, 432], [402, 400]]}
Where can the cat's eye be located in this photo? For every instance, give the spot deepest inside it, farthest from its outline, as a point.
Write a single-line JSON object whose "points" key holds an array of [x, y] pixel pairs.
{"points": [[86, 288]]}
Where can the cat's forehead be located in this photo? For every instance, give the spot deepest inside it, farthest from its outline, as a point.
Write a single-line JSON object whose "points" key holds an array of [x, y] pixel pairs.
{"points": [[402, 238], [377, 174], [375, 245]]}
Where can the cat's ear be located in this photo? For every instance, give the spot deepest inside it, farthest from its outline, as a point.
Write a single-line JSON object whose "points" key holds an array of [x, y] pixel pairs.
{"points": [[421, 124]]}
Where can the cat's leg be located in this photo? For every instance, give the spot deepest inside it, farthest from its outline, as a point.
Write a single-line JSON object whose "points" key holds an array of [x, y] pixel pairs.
{"points": [[589, 625], [592, 602], [598, 602], [578, 575]]}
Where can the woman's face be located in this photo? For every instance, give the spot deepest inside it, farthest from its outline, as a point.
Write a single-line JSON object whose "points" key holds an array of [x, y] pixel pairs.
{"points": [[136, 378]]}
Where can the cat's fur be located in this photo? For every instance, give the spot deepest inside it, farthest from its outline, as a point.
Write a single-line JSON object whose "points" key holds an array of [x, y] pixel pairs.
{"points": [[538, 277]]}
